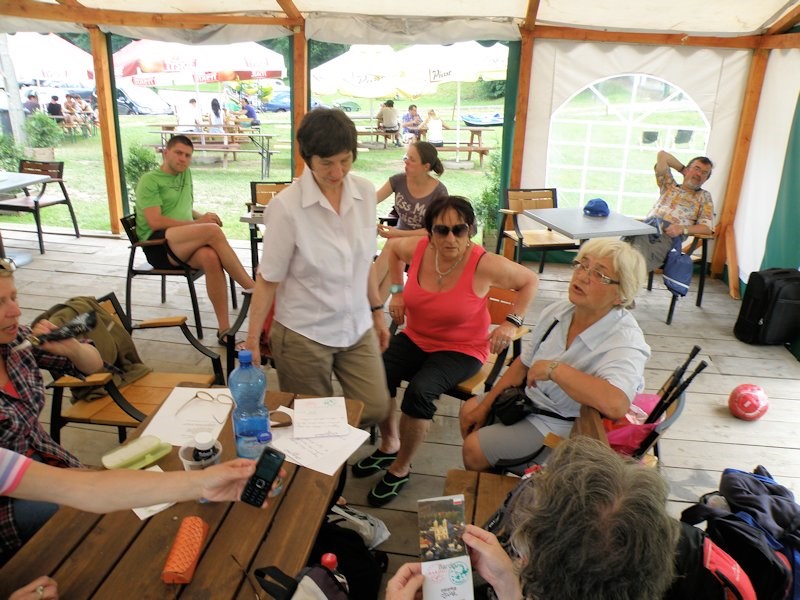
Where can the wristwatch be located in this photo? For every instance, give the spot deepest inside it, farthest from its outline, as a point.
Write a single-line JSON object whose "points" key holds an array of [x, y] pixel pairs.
{"points": [[550, 368], [396, 288], [686, 231]]}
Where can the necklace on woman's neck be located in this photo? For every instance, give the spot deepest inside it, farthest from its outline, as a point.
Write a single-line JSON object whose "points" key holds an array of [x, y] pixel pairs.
{"points": [[441, 275]]}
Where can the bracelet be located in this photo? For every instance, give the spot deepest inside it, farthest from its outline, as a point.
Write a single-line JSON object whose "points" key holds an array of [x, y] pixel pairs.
{"points": [[550, 368], [396, 288], [515, 320], [376, 308]]}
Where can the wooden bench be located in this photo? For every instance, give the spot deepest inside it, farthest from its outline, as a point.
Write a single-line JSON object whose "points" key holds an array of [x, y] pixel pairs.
{"points": [[468, 148], [225, 149], [387, 135], [485, 492]]}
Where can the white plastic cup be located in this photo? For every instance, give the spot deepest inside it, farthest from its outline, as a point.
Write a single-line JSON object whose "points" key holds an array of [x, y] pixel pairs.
{"points": [[190, 464]]}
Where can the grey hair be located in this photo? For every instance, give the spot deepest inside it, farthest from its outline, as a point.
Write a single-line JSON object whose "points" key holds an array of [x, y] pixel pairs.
{"points": [[595, 526], [628, 263]]}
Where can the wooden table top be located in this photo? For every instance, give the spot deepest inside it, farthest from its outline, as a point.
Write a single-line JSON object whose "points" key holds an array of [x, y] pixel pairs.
{"points": [[119, 556]]}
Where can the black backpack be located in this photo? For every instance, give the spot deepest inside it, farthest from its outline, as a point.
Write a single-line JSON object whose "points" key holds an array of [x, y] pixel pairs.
{"points": [[754, 549]]}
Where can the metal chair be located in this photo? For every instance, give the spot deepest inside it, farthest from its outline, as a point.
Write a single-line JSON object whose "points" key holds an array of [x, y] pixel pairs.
{"points": [[33, 204], [126, 406], [145, 268], [519, 200], [261, 194], [698, 239]]}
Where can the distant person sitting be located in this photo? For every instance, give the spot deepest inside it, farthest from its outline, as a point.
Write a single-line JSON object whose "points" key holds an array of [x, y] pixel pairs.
{"points": [[388, 120], [249, 111], [31, 105], [411, 124], [165, 210], [216, 118], [190, 119], [434, 127], [71, 110], [684, 209], [54, 109]]}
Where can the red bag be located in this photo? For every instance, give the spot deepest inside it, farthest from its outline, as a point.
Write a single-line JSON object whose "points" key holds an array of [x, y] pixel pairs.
{"points": [[626, 437]]}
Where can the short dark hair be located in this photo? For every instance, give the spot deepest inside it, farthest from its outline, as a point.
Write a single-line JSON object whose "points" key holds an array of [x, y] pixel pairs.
{"points": [[458, 203], [325, 132], [245, 101], [179, 139], [410, 106], [389, 103], [703, 160], [53, 97], [595, 525]]}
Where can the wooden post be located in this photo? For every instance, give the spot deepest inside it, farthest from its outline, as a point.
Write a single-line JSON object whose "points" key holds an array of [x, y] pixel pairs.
{"points": [[299, 90], [752, 95], [107, 126]]}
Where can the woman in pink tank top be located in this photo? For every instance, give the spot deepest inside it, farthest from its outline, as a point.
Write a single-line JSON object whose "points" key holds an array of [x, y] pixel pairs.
{"points": [[446, 338]]}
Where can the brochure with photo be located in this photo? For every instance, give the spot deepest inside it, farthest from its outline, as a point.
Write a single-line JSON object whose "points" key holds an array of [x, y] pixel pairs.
{"points": [[445, 561]]}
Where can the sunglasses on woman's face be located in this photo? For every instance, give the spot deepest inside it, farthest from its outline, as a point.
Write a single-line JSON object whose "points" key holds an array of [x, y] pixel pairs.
{"points": [[459, 230]]}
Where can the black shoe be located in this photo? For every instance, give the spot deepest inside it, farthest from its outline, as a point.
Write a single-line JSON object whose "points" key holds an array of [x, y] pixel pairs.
{"points": [[387, 489], [374, 463]]}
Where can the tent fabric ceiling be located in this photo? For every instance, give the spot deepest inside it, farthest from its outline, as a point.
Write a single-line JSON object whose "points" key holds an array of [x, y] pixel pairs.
{"points": [[382, 21]]}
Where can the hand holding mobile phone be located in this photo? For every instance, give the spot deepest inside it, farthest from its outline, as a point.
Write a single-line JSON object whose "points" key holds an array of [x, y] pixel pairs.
{"points": [[267, 469]]}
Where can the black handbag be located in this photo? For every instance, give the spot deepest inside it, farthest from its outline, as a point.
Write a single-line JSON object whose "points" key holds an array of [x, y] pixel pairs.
{"points": [[513, 405]]}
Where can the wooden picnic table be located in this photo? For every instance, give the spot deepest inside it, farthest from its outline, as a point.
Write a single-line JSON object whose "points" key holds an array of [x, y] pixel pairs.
{"points": [[120, 556]]}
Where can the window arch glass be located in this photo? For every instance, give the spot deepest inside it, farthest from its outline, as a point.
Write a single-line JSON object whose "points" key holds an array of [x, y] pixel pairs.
{"points": [[604, 139]]}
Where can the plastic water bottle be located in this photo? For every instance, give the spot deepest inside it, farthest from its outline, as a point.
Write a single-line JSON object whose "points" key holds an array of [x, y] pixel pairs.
{"points": [[248, 384]]}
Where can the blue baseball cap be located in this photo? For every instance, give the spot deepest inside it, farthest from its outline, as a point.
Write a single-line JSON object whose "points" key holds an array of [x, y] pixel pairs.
{"points": [[596, 207]]}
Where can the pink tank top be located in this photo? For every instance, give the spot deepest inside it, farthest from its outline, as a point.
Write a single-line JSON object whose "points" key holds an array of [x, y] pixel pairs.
{"points": [[456, 320]]}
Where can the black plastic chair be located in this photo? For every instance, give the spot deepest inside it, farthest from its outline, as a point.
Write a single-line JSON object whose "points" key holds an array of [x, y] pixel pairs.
{"points": [[145, 268]]}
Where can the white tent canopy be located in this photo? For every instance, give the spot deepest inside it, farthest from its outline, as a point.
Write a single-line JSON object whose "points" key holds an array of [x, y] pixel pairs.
{"points": [[49, 57], [576, 42]]}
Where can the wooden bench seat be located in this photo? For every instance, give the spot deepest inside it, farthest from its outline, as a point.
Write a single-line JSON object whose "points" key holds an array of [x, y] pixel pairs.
{"points": [[225, 149], [469, 149], [387, 135]]}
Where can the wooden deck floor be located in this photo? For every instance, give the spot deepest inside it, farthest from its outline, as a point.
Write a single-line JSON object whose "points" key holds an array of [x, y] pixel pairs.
{"points": [[705, 440]]}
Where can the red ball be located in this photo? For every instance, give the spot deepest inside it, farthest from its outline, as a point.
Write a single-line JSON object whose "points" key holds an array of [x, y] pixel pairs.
{"points": [[748, 401]]}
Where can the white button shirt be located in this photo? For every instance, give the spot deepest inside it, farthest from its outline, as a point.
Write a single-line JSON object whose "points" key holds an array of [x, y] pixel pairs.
{"points": [[321, 259]]}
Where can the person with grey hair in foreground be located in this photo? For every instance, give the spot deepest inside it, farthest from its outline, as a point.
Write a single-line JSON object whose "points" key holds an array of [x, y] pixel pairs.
{"points": [[588, 349], [591, 525]]}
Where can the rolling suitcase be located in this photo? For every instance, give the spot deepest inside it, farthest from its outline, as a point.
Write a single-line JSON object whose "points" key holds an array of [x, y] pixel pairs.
{"points": [[770, 312]]}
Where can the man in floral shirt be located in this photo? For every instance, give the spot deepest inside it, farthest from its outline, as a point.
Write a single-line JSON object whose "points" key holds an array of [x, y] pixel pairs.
{"points": [[685, 209]]}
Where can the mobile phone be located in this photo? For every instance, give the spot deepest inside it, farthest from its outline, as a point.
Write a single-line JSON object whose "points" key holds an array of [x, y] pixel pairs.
{"points": [[267, 469]]}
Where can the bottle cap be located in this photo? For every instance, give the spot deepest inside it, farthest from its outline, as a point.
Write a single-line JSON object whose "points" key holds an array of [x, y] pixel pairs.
{"points": [[330, 561], [204, 440], [245, 357]]}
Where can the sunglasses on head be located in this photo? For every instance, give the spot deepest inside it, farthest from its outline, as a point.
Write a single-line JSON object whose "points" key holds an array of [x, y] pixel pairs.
{"points": [[459, 230]]}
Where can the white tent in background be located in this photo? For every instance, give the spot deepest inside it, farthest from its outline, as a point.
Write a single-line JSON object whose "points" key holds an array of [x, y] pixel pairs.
{"points": [[462, 62], [49, 58], [149, 63], [366, 72]]}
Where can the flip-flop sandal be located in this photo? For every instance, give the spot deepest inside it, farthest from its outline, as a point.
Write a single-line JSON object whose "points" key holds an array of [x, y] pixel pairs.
{"points": [[387, 489], [223, 339], [374, 463]]}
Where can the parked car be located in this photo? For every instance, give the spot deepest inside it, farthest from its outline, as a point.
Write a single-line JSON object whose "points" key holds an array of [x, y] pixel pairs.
{"points": [[347, 105], [282, 102], [141, 101]]}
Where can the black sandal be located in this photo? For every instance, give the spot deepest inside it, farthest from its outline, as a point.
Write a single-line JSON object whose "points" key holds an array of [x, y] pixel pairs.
{"points": [[225, 338], [374, 463]]}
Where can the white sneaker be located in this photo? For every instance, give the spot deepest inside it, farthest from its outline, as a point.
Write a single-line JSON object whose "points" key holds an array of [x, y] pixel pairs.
{"points": [[371, 529]]}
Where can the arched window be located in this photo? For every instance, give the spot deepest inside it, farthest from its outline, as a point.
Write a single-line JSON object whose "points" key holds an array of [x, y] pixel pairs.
{"points": [[604, 140]]}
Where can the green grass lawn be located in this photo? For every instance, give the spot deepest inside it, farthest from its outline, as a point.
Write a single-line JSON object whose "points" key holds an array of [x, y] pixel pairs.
{"points": [[225, 191]]}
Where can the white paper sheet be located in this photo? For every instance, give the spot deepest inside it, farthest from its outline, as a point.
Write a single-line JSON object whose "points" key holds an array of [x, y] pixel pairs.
{"points": [[193, 416], [319, 417], [320, 454], [145, 512], [448, 579]]}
